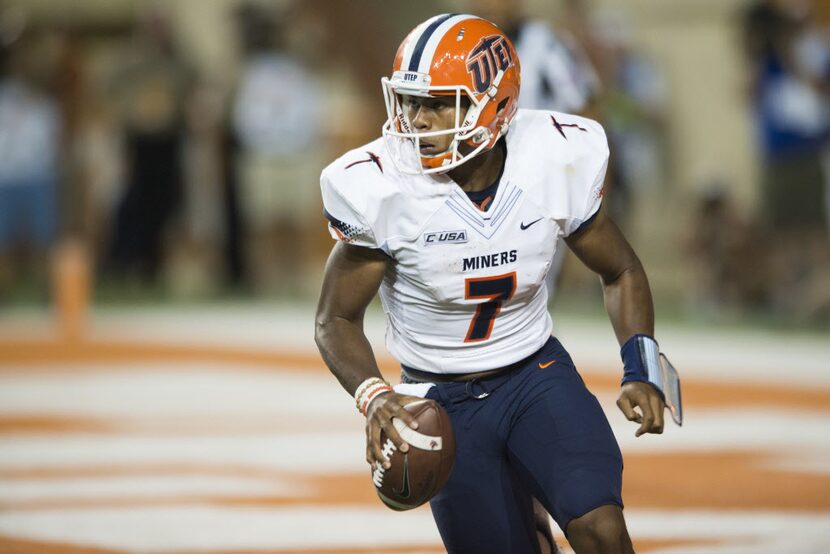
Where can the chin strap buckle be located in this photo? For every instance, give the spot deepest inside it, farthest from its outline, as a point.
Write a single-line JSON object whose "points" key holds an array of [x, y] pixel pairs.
{"points": [[481, 136], [494, 88]]}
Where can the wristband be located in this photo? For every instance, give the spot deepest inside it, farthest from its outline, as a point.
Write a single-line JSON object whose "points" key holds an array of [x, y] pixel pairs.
{"points": [[641, 361], [372, 392], [367, 390], [644, 362], [361, 388]]}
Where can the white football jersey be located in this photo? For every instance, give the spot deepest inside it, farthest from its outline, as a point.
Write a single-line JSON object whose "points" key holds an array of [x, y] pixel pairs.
{"points": [[465, 290]]}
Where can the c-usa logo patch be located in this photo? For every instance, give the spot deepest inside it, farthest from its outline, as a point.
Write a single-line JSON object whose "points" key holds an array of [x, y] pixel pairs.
{"points": [[445, 237]]}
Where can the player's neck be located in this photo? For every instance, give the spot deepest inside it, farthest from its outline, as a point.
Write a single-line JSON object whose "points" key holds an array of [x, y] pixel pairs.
{"points": [[480, 172]]}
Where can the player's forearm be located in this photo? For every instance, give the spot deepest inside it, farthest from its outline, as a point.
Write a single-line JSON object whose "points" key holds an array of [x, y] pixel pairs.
{"points": [[346, 351], [629, 304]]}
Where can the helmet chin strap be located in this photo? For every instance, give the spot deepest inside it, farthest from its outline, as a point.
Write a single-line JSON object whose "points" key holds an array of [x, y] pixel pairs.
{"points": [[480, 134]]}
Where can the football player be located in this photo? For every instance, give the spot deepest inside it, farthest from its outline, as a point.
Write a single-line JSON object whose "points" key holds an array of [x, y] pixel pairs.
{"points": [[453, 216]]}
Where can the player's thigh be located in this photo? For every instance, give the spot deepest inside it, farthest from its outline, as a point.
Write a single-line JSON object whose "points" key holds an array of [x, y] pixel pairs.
{"points": [[483, 508], [562, 445]]}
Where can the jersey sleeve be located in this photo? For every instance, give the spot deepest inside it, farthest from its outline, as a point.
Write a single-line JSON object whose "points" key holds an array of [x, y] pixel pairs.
{"points": [[345, 220], [584, 175]]}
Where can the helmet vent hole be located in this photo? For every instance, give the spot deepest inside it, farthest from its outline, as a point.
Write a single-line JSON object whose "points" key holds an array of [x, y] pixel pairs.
{"points": [[502, 104]]}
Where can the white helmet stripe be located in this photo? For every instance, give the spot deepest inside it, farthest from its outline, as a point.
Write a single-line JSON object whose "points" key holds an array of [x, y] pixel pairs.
{"points": [[432, 43], [427, 27]]}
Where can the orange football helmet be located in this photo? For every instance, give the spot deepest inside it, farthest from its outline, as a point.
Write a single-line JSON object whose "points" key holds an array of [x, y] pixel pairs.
{"points": [[452, 54]]}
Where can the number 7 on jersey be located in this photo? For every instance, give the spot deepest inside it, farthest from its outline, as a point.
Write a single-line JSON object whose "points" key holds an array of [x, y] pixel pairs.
{"points": [[497, 290]]}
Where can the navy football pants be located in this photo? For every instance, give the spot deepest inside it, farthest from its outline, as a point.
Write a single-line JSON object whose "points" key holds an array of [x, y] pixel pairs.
{"points": [[536, 431]]}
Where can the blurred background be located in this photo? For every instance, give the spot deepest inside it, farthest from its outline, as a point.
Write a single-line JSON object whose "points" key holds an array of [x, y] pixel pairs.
{"points": [[161, 229], [176, 146]]}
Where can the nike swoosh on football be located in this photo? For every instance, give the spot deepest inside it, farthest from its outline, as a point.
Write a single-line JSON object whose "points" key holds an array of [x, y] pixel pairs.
{"points": [[523, 226], [404, 492], [547, 364]]}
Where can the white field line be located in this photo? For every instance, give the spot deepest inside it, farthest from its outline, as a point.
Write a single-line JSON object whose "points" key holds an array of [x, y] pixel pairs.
{"points": [[213, 529], [133, 487]]}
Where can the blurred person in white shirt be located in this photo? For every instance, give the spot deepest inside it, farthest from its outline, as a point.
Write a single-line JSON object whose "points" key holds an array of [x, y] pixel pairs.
{"points": [[30, 129], [556, 72], [275, 123]]}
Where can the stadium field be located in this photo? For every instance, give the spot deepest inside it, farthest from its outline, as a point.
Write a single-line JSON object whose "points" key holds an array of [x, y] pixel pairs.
{"points": [[220, 430]]}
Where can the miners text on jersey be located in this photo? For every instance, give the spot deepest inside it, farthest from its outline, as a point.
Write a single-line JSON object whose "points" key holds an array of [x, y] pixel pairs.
{"points": [[490, 260]]}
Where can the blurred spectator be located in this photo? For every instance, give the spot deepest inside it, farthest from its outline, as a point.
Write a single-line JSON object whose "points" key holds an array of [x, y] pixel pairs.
{"points": [[96, 154], [556, 75], [151, 89], [631, 106], [30, 129], [789, 70], [275, 125], [723, 247], [196, 263]]}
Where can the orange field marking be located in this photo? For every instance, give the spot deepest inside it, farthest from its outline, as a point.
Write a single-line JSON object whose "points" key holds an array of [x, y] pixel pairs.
{"points": [[640, 546], [731, 480], [37, 352], [651, 545], [363, 550], [20, 546], [696, 392], [738, 480], [695, 480], [46, 424], [9, 545], [160, 427]]}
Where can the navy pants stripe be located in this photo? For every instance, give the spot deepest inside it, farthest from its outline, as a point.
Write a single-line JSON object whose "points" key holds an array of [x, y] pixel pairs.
{"points": [[535, 431]]}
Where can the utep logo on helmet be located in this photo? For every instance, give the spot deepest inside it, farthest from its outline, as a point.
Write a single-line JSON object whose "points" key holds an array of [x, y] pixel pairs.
{"points": [[445, 237], [405, 78], [491, 54]]}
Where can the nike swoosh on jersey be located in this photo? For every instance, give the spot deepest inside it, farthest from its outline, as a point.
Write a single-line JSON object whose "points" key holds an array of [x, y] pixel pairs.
{"points": [[546, 364], [523, 226], [404, 492]]}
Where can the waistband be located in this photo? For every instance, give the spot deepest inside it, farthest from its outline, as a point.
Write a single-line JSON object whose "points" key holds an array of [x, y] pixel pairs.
{"points": [[412, 375]]}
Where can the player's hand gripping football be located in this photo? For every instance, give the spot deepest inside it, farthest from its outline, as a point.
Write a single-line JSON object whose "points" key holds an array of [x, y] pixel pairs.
{"points": [[379, 416], [637, 395]]}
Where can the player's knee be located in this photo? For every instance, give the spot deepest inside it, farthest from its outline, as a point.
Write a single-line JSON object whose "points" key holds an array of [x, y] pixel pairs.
{"points": [[600, 531]]}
